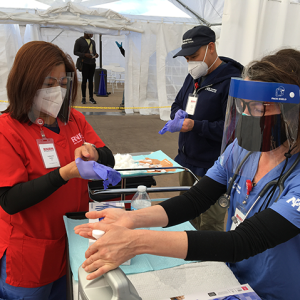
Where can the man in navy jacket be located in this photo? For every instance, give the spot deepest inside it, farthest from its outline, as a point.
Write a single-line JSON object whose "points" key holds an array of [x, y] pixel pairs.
{"points": [[204, 97]]}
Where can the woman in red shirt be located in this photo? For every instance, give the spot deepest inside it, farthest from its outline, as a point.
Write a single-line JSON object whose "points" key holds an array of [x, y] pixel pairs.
{"points": [[40, 138]]}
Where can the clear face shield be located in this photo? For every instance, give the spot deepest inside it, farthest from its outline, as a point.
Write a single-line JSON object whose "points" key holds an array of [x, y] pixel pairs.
{"points": [[261, 125], [261, 116], [53, 100]]}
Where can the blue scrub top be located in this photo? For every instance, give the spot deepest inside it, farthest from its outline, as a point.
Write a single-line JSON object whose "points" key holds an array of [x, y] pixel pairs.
{"points": [[273, 274]]}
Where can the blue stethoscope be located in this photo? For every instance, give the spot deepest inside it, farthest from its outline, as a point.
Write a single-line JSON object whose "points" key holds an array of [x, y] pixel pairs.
{"points": [[224, 200]]}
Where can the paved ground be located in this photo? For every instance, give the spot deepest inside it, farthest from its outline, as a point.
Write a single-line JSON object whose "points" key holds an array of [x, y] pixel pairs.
{"points": [[130, 133]]}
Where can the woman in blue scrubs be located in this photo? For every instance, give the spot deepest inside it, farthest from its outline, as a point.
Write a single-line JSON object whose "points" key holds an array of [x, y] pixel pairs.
{"points": [[260, 145]]}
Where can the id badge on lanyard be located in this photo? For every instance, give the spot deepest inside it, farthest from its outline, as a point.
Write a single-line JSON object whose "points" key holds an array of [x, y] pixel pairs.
{"points": [[238, 218], [48, 152], [241, 212], [191, 104]]}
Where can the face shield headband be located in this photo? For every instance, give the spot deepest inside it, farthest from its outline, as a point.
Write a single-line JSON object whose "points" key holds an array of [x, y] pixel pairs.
{"points": [[261, 116], [53, 100]]}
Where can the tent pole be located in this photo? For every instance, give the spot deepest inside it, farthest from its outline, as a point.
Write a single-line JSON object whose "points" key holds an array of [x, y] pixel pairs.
{"points": [[57, 36], [100, 50], [196, 15]]}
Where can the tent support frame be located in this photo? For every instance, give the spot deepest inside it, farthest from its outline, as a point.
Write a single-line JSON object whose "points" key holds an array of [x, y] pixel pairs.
{"points": [[57, 36], [203, 21]]}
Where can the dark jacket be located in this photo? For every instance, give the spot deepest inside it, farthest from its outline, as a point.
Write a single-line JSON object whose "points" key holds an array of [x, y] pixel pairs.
{"points": [[81, 47], [201, 146]]}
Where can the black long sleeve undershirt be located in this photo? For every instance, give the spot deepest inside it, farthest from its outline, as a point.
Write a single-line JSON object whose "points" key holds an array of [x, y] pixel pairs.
{"points": [[105, 157], [26, 194], [262, 231]]}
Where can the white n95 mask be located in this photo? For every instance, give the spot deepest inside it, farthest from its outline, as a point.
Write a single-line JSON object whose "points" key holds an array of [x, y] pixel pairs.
{"points": [[49, 100], [198, 69]]}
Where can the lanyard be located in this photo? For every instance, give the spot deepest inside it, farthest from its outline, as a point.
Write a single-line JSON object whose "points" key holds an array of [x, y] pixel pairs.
{"points": [[47, 150], [197, 89], [224, 200]]}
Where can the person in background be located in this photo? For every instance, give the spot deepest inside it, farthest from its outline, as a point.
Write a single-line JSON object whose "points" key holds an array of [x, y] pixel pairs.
{"points": [[85, 47], [204, 97], [260, 148], [40, 138]]}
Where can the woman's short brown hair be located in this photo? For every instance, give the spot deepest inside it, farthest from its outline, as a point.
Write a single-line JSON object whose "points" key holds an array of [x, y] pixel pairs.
{"points": [[33, 62], [283, 66]]}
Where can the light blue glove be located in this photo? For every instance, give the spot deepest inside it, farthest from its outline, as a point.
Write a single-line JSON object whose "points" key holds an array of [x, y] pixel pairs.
{"points": [[175, 124], [92, 170], [119, 45]]}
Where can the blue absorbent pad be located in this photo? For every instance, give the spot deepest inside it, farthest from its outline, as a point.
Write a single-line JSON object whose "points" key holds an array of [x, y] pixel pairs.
{"points": [[154, 155], [139, 264], [77, 245]]}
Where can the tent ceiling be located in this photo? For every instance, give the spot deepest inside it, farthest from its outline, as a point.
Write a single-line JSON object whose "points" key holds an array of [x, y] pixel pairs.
{"points": [[71, 16], [209, 11], [87, 3], [204, 11]]}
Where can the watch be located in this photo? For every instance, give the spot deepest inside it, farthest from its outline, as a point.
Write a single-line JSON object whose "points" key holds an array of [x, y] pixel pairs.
{"points": [[86, 143]]}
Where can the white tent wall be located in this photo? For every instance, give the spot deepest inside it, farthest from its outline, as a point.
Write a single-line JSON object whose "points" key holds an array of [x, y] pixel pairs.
{"points": [[132, 70], [32, 33], [10, 38], [111, 52], [254, 28], [160, 76], [148, 59]]}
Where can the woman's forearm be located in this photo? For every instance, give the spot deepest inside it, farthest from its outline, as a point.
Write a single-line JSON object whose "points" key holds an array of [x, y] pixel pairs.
{"points": [[162, 243], [154, 216]]}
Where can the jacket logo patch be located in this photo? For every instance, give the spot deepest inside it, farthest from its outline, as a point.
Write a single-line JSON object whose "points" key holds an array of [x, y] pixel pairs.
{"points": [[294, 202], [211, 90], [77, 138]]}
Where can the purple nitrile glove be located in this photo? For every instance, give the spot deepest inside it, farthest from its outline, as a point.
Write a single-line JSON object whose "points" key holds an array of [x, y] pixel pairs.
{"points": [[93, 170], [175, 124]]}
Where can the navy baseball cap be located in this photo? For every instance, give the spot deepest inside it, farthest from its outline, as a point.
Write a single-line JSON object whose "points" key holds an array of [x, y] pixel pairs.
{"points": [[194, 38]]}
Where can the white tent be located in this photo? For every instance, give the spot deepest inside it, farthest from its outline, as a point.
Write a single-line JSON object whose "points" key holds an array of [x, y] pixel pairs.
{"points": [[250, 29], [152, 77]]}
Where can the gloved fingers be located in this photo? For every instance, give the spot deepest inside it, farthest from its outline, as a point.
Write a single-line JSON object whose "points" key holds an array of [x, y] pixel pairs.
{"points": [[175, 125], [165, 128], [109, 175], [85, 169], [114, 177], [181, 114]]}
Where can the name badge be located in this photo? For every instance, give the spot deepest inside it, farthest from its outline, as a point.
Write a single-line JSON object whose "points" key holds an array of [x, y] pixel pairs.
{"points": [[191, 104], [48, 153], [237, 219]]}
